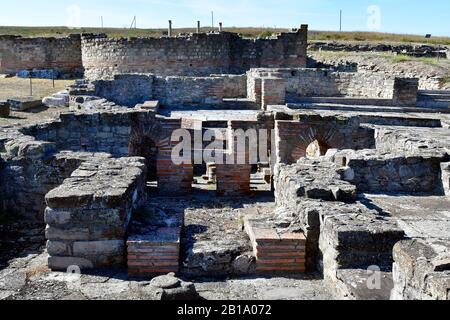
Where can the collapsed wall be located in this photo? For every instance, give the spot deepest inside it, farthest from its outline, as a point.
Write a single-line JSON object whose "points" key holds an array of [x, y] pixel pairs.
{"points": [[193, 55], [62, 55]]}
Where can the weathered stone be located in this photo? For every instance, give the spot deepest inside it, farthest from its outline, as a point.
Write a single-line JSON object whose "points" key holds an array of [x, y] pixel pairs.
{"points": [[174, 289], [4, 109], [23, 104]]}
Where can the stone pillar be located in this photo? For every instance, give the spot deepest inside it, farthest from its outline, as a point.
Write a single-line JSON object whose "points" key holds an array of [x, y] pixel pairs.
{"points": [[169, 33], [4, 109], [220, 27], [445, 173], [273, 92], [405, 91], [198, 27]]}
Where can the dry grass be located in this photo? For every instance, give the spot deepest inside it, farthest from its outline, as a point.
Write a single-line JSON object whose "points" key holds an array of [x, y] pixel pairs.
{"points": [[18, 87], [247, 32], [36, 271]]}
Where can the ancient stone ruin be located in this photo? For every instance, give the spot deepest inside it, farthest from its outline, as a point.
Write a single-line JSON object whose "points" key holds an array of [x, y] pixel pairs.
{"points": [[350, 184]]}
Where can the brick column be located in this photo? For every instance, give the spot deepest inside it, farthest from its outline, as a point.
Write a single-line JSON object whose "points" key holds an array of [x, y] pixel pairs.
{"points": [[273, 92], [233, 179], [405, 91], [289, 146], [173, 179]]}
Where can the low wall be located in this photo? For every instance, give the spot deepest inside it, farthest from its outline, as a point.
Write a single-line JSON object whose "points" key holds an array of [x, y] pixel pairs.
{"points": [[406, 173], [420, 270], [60, 54], [189, 90], [326, 83], [127, 90], [340, 233]]}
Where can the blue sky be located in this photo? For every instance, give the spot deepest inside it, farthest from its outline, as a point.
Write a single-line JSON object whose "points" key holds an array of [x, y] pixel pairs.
{"points": [[399, 16]]}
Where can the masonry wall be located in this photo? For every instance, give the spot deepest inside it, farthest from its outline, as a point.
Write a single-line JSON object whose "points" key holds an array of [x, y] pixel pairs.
{"points": [[292, 138], [127, 90], [189, 90], [61, 54], [410, 173], [193, 55], [234, 86], [324, 83]]}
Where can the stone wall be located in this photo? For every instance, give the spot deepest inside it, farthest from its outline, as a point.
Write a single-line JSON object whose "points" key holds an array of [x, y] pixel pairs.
{"points": [[126, 89], [88, 215], [340, 233], [420, 270], [406, 173], [60, 54], [192, 55], [408, 49], [325, 83]]}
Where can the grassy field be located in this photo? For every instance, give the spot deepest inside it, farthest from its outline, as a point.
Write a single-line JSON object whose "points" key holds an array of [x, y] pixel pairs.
{"points": [[17, 87], [246, 32]]}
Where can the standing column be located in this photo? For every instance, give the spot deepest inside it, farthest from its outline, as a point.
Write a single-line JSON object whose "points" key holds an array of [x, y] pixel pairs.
{"points": [[220, 27], [198, 26], [169, 33]]}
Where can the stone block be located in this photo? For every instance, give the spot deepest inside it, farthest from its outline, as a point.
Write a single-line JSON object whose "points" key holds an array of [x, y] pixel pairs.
{"points": [[24, 104], [92, 248], [63, 263]]}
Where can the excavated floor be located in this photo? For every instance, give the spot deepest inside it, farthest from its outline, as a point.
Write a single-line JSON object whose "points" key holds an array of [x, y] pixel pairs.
{"points": [[420, 217], [212, 225]]}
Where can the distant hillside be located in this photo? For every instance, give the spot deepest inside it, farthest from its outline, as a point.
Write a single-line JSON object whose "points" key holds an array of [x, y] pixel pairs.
{"points": [[246, 32]]}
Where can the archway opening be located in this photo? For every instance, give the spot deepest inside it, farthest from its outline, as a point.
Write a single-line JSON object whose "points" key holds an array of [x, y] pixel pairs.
{"points": [[317, 148]]}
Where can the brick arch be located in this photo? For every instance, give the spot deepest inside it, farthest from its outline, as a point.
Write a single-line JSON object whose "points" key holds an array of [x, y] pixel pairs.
{"points": [[146, 138], [293, 138]]}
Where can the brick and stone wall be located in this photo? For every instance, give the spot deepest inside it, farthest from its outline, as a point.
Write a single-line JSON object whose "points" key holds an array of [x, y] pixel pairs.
{"points": [[60, 54], [273, 91], [193, 55], [292, 138], [176, 91], [88, 215], [234, 86], [301, 82]]}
